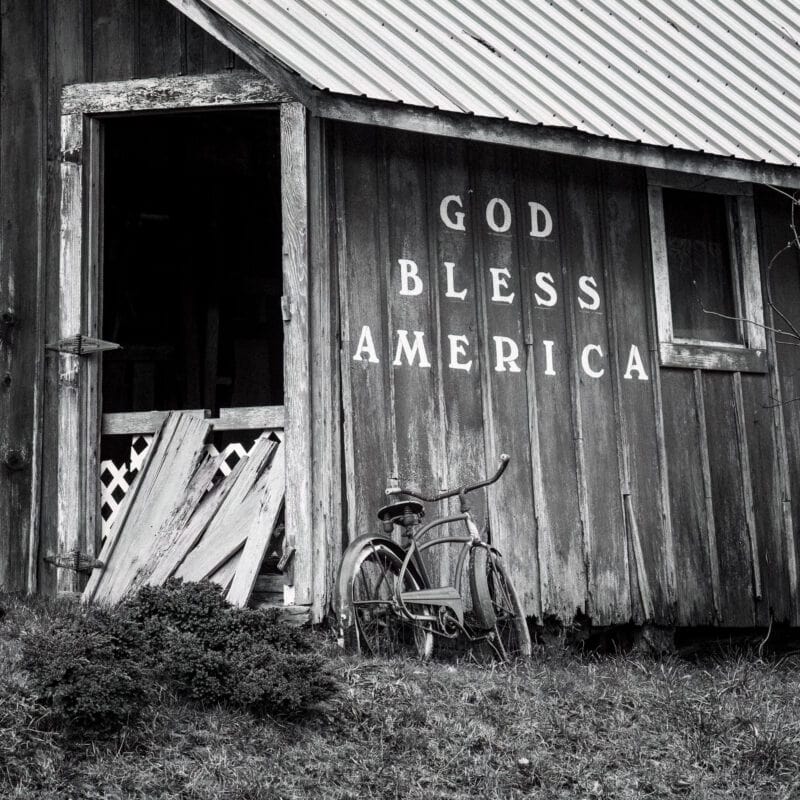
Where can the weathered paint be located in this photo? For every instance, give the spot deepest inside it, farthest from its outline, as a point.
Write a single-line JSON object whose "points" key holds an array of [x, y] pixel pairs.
{"points": [[503, 299], [45, 45], [704, 463]]}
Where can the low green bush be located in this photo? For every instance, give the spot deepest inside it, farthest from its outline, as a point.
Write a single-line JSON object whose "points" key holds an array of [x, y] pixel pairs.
{"points": [[211, 652], [87, 669], [96, 669]]}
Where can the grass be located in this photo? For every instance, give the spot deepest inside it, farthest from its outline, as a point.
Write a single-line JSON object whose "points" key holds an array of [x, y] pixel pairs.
{"points": [[561, 726]]}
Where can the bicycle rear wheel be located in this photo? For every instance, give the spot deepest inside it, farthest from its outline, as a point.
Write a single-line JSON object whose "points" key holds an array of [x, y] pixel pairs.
{"points": [[496, 605], [381, 630]]}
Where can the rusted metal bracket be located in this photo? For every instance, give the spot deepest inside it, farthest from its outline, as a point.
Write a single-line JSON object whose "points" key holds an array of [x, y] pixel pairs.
{"points": [[80, 345], [73, 560]]}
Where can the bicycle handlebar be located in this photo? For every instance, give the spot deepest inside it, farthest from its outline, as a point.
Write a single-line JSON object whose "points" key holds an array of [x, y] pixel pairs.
{"points": [[504, 459]]}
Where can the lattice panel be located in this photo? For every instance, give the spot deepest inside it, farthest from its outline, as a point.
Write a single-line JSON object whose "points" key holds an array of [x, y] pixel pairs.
{"points": [[117, 478]]}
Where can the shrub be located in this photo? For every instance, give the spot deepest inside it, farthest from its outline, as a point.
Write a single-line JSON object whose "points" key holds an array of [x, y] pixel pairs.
{"points": [[211, 652], [86, 668], [96, 669]]}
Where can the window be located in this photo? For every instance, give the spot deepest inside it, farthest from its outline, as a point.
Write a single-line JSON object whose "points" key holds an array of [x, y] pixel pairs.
{"points": [[706, 271]]}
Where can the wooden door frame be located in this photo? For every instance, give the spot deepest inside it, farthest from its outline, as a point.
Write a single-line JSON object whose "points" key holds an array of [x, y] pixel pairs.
{"points": [[83, 108]]}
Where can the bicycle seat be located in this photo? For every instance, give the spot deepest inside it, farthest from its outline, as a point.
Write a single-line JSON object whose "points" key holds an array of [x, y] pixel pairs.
{"points": [[402, 512]]}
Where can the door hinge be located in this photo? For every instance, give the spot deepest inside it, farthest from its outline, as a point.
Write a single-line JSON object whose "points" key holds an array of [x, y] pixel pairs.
{"points": [[80, 345], [286, 308], [74, 560]]}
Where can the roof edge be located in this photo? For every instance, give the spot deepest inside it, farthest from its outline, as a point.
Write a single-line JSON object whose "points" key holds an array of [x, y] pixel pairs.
{"points": [[244, 47], [564, 141]]}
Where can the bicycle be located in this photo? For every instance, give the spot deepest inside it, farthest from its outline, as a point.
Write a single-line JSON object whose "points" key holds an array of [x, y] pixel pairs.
{"points": [[386, 603]]}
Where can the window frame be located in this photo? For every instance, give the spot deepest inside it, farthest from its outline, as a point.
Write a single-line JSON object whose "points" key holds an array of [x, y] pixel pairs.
{"points": [[690, 353]]}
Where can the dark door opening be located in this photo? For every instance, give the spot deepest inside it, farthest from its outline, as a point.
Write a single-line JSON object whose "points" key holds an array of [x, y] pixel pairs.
{"points": [[192, 275]]}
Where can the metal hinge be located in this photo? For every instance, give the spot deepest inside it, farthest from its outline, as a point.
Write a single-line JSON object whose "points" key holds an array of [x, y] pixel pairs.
{"points": [[80, 345], [286, 308], [74, 560]]}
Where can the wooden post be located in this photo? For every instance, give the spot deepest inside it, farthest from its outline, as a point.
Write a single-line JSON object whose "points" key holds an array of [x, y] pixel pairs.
{"points": [[294, 198], [70, 461]]}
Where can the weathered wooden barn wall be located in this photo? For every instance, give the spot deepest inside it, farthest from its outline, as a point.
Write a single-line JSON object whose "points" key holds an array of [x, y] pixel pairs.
{"points": [[45, 44], [781, 268], [633, 491]]}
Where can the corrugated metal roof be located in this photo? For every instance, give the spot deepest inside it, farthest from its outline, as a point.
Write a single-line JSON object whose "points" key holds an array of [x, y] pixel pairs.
{"points": [[713, 76]]}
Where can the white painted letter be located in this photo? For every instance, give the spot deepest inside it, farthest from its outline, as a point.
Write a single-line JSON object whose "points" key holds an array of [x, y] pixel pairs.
{"points": [[506, 352], [500, 281], [456, 224], [592, 373], [635, 364], [409, 274], [544, 280], [366, 345], [411, 351], [451, 289], [457, 349], [490, 221], [537, 211], [588, 285], [548, 357]]}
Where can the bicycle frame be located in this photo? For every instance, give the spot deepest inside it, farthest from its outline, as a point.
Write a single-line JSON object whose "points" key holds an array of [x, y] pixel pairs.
{"points": [[438, 610], [441, 597]]}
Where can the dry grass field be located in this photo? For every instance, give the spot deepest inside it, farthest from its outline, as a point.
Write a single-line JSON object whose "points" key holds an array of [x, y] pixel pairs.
{"points": [[724, 725]]}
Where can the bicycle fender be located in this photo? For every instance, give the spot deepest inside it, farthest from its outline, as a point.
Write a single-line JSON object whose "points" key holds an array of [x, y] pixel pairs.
{"points": [[343, 594]]}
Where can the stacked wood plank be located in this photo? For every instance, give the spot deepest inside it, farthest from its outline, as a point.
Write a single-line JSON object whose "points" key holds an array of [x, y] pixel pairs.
{"points": [[175, 521]]}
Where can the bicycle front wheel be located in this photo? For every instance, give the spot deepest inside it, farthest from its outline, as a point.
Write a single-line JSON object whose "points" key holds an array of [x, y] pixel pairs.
{"points": [[496, 605], [381, 628]]}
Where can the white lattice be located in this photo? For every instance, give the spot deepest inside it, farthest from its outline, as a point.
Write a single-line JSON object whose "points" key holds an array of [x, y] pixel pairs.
{"points": [[228, 461], [116, 479]]}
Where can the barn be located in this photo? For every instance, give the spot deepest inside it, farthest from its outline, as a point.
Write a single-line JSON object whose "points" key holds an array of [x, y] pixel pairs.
{"points": [[411, 237]]}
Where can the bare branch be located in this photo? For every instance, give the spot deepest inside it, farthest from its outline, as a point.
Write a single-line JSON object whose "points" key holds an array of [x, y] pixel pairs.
{"points": [[770, 301], [750, 321], [777, 189]]}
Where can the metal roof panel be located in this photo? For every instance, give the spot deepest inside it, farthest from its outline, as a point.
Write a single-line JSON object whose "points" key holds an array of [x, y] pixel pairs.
{"points": [[713, 76]]}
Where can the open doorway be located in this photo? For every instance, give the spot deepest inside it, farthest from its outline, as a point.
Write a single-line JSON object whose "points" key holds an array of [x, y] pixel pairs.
{"points": [[191, 282], [192, 262]]}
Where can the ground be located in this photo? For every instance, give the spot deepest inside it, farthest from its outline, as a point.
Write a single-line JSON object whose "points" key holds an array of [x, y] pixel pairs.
{"points": [[565, 725]]}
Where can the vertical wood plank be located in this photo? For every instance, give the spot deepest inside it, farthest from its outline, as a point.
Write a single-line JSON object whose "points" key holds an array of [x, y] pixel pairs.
{"points": [[561, 547], [22, 141], [70, 457], [114, 39], [294, 194], [203, 52], [66, 63], [624, 226], [362, 293], [414, 374], [326, 396], [461, 411], [696, 567], [160, 42], [658, 249], [747, 486], [91, 316], [766, 478], [781, 277], [598, 459], [710, 520], [513, 521], [730, 518]]}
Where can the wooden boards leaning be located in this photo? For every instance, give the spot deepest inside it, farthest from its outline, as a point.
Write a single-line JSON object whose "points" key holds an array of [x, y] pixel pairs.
{"points": [[177, 520], [230, 527], [260, 536], [155, 504]]}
